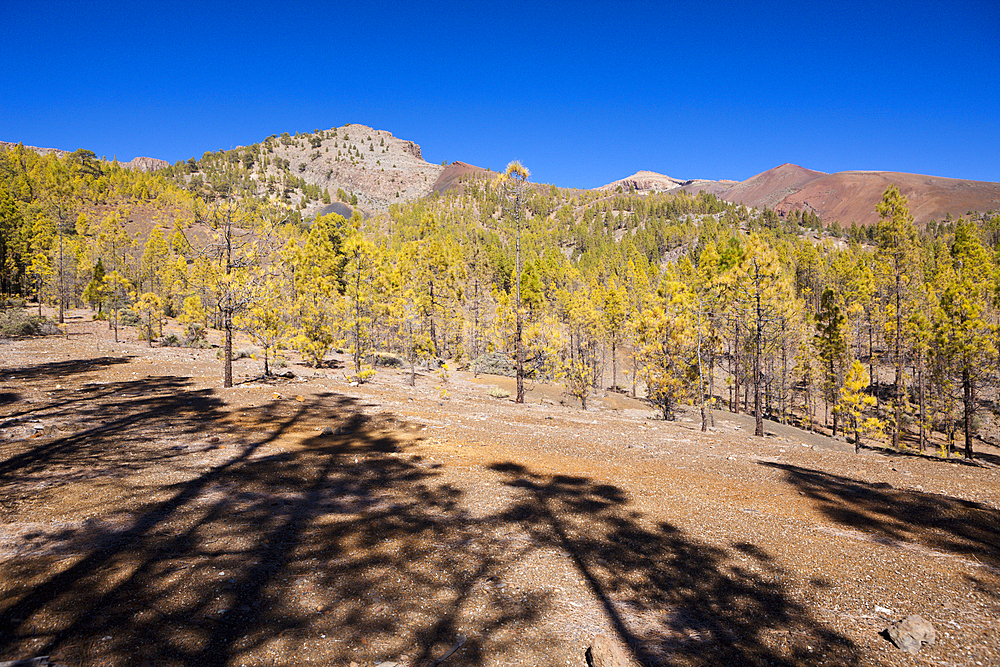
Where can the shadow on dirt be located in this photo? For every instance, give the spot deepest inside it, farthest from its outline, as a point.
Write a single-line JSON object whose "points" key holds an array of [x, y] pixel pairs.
{"points": [[673, 599], [930, 453], [59, 370], [339, 548], [960, 527], [122, 412], [216, 541]]}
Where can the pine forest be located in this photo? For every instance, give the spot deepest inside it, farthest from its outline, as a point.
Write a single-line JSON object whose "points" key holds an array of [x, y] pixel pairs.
{"points": [[884, 335]]}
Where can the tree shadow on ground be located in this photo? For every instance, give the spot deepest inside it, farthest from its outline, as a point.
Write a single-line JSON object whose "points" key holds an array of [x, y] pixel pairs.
{"points": [[58, 370], [959, 527], [169, 532], [673, 599], [102, 416], [325, 549], [930, 453]]}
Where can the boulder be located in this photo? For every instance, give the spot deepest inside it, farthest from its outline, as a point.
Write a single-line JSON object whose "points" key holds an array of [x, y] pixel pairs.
{"points": [[911, 632], [605, 652]]}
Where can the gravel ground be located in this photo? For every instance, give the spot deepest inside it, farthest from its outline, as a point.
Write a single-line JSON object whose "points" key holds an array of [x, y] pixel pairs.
{"points": [[150, 517]]}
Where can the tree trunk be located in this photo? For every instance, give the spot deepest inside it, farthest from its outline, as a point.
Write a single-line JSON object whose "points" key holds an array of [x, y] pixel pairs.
{"points": [[701, 377], [62, 290], [227, 373], [413, 355], [898, 408], [520, 347], [735, 407], [833, 384], [758, 416], [923, 416], [968, 399], [614, 366]]}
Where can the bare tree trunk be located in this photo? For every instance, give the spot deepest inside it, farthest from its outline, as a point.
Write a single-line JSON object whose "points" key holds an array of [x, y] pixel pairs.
{"points": [[923, 416], [758, 416], [520, 346], [898, 411], [62, 290], [227, 373], [614, 366], [736, 369], [701, 377], [968, 399]]}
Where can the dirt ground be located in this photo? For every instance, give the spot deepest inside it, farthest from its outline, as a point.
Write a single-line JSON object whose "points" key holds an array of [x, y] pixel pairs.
{"points": [[151, 517]]}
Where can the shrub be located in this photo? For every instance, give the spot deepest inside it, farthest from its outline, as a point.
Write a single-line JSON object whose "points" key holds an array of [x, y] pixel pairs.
{"points": [[194, 334], [494, 363], [15, 322], [169, 341], [386, 359], [128, 318], [497, 392]]}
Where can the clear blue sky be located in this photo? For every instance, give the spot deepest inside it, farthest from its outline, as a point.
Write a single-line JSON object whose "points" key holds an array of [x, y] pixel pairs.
{"points": [[582, 93]]}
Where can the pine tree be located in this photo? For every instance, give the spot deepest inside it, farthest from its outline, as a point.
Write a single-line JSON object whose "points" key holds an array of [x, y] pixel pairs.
{"points": [[831, 347], [757, 291], [511, 186], [896, 236], [963, 337], [854, 400]]}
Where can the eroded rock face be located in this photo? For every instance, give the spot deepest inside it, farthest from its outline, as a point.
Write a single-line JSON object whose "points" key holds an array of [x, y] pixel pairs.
{"points": [[146, 164], [911, 633]]}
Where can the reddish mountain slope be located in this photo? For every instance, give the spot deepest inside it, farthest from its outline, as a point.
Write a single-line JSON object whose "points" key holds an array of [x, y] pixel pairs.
{"points": [[851, 196], [770, 187], [451, 177]]}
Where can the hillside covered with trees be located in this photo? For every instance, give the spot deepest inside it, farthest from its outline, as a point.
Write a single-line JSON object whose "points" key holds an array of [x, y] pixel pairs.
{"points": [[888, 333]]}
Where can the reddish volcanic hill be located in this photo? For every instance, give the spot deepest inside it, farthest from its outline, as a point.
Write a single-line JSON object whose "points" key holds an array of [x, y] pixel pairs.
{"points": [[451, 177], [771, 186], [851, 196]]}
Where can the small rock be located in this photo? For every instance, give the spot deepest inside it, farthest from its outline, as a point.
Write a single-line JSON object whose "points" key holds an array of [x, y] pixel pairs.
{"points": [[909, 633], [287, 374], [605, 652]]}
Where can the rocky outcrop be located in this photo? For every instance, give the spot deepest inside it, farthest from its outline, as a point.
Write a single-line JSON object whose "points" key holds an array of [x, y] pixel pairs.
{"points": [[145, 164], [414, 150], [649, 182], [138, 164]]}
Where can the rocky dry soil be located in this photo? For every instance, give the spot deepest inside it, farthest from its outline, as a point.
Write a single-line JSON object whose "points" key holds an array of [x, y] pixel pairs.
{"points": [[150, 517]]}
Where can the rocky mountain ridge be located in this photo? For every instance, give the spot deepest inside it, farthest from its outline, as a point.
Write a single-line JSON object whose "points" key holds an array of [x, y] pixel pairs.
{"points": [[376, 169], [138, 163], [373, 166], [845, 197]]}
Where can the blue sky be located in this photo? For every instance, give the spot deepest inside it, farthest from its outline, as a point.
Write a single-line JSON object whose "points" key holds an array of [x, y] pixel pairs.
{"points": [[582, 93]]}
